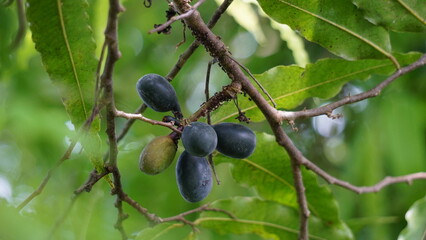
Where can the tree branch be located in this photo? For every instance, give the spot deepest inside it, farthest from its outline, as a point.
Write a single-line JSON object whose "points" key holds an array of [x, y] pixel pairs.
{"points": [[139, 116], [176, 18], [328, 109], [363, 189], [130, 122], [218, 50]]}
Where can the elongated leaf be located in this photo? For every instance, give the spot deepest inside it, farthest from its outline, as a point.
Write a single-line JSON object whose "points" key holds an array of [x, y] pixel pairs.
{"points": [[268, 170], [289, 86], [398, 15], [338, 26], [268, 219], [416, 227], [61, 33]]}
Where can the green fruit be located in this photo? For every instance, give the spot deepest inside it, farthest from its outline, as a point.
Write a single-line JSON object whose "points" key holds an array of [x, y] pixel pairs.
{"points": [[157, 155]]}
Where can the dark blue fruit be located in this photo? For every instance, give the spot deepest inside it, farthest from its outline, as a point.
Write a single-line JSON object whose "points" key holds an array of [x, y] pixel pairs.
{"points": [[157, 93], [199, 139], [193, 176], [235, 140]]}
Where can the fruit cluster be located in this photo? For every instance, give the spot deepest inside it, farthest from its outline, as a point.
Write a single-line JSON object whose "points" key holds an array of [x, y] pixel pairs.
{"points": [[193, 173]]}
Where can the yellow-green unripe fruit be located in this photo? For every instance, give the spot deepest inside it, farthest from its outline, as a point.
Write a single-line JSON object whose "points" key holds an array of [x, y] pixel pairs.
{"points": [[157, 155]]}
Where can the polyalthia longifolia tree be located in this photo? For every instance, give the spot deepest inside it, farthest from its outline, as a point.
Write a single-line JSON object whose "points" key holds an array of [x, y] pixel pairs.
{"points": [[291, 204]]}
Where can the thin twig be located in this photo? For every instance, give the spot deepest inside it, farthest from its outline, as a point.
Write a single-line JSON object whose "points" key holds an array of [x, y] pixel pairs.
{"points": [[328, 109], [255, 80], [177, 18], [409, 178], [207, 93], [120, 218], [282, 139], [22, 27], [94, 177], [194, 45], [98, 71], [139, 116], [130, 122], [64, 157]]}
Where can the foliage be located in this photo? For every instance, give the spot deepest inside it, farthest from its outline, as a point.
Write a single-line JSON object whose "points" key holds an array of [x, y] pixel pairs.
{"points": [[353, 45]]}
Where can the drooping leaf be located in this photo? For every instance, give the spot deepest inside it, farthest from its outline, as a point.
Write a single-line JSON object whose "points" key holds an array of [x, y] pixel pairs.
{"points": [[289, 86], [62, 35], [338, 26], [268, 170], [398, 15], [60, 30], [416, 222], [268, 219]]}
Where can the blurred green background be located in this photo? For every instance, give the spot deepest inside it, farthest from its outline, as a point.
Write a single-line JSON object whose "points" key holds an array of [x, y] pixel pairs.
{"points": [[376, 138]]}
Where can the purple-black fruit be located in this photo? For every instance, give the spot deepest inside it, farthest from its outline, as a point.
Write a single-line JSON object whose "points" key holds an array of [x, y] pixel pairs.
{"points": [[157, 155], [199, 139], [194, 177], [157, 93], [235, 140]]}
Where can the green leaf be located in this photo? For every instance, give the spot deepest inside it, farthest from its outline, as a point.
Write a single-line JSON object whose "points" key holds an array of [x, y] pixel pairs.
{"points": [[268, 219], [416, 227], [338, 26], [398, 15], [268, 170], [289, 86], [61, 33]]}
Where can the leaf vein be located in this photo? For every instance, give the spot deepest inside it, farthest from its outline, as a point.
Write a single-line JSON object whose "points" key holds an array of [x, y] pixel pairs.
{"points": [[74, 69], [356, 35]]}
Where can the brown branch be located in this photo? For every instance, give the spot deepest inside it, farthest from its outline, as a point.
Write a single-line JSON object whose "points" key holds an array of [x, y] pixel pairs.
{"points": [[301, 199], [130, 122], [283, 140], [363, 189], [118, 190], [194, 45], [139, 116], [328, 109], [217, 49], [176, 18], [94, 177]]}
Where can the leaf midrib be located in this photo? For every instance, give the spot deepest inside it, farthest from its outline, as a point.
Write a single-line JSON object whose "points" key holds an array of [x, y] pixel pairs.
{"points": [[356, 35], [74, 68], [254, 222], [267, 171], [305, 89], [412, 11]]}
